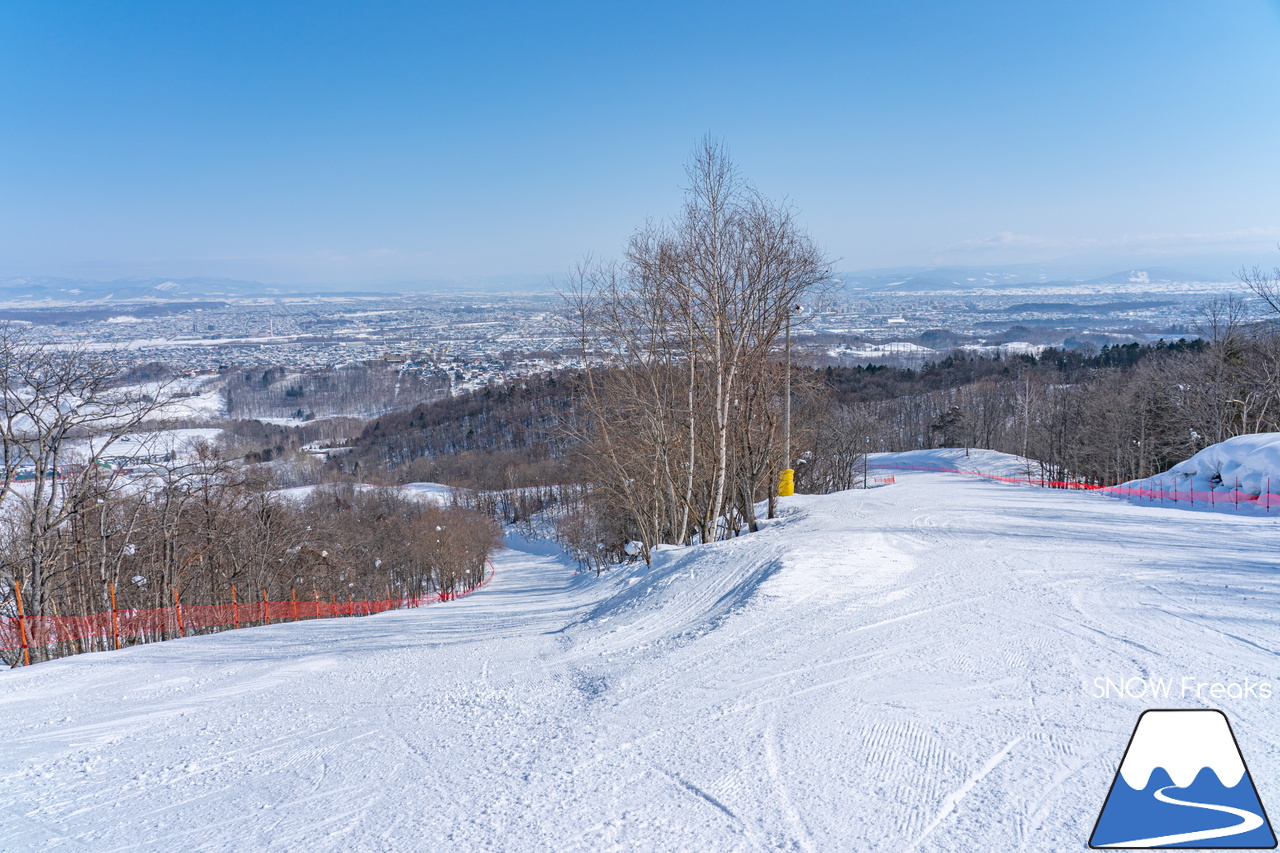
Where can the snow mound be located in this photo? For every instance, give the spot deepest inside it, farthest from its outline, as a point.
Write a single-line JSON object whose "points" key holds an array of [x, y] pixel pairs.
{"points": [[1246, 463], [957, 460]]}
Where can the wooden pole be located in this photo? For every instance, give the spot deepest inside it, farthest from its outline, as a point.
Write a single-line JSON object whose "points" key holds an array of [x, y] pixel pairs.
{"points": [[177, 605], [22, 625], [266, 606], [115, 617], [333, 602], [315, 593], [235, 607], [294, 594]]}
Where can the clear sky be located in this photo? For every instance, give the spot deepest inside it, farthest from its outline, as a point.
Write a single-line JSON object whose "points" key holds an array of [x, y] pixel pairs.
{"points": [[373, 142]]}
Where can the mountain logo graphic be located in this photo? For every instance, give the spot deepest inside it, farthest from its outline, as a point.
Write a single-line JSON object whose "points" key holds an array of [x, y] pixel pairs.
{"points": [[1183, 783]]}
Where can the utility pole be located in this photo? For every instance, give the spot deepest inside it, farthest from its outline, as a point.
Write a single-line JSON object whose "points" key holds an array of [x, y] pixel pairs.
{"points": [[786, 403], [787, 480]]}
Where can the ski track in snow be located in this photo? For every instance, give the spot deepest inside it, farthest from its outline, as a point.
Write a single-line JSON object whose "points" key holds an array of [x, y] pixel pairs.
{"points": [[874, 670]]}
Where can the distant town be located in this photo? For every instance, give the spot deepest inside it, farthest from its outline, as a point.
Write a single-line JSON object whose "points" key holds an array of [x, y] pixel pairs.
{"points": [[474, 341]]}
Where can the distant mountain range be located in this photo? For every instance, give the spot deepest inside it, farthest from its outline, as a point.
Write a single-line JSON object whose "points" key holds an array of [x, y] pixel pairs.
{"points": [[50, 289], [44, 289], [35, 290], [1019, 277]]}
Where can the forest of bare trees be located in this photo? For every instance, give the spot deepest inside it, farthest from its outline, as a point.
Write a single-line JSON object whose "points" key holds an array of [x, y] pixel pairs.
{"points": [[357, 390], [74, 527]]}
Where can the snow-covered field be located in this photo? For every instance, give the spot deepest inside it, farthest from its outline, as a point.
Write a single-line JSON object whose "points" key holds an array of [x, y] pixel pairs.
{"points": [[435, 493], [912, 667], [177, 442]]}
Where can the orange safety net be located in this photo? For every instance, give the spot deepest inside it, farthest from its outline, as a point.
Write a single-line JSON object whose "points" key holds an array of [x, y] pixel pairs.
{"points": [[101, 630]]}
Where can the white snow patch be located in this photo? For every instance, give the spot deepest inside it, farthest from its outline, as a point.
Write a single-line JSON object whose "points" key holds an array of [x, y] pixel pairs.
{"points": [[1010, 348]]}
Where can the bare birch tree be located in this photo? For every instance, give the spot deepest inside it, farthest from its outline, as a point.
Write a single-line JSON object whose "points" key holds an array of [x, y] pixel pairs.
{"points": [[686, 332]]}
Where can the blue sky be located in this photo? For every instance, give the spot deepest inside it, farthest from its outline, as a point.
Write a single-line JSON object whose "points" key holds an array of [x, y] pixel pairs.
{"points": [[376, 142]]}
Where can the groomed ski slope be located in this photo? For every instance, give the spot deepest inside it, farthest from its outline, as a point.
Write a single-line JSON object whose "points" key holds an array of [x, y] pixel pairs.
{"points": [[905, 668]]}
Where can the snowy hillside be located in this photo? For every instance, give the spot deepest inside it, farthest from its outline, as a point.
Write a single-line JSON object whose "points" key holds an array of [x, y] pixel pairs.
{"points": [[922, 666], [989, 463], [435, 493]]}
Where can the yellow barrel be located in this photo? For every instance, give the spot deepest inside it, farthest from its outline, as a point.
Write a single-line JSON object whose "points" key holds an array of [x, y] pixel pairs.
{"points": [[787, 483]]}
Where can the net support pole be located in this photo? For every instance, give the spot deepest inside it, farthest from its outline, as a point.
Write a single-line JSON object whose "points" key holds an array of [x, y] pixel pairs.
{"points": [[177, 607], [22, 625], [115, 617]]}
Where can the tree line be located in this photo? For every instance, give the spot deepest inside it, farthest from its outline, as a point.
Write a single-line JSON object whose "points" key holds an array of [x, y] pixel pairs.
{"points": [[1126, 412]]}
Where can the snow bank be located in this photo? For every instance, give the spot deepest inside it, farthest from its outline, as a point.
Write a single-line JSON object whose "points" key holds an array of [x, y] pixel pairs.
{"points": [[1246, 463]]}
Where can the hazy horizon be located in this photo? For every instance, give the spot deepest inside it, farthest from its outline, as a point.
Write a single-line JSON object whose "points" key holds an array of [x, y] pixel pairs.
{"points": [[391, 142]]}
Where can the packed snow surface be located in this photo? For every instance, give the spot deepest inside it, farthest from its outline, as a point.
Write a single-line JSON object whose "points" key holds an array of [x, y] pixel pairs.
{"points": [[1251, 461], [912, 667]]}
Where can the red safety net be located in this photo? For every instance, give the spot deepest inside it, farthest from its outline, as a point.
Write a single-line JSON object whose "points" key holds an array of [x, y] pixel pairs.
{"points": [[106, 630], [1028, 480], [1161, 493], [1217, 497]]}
